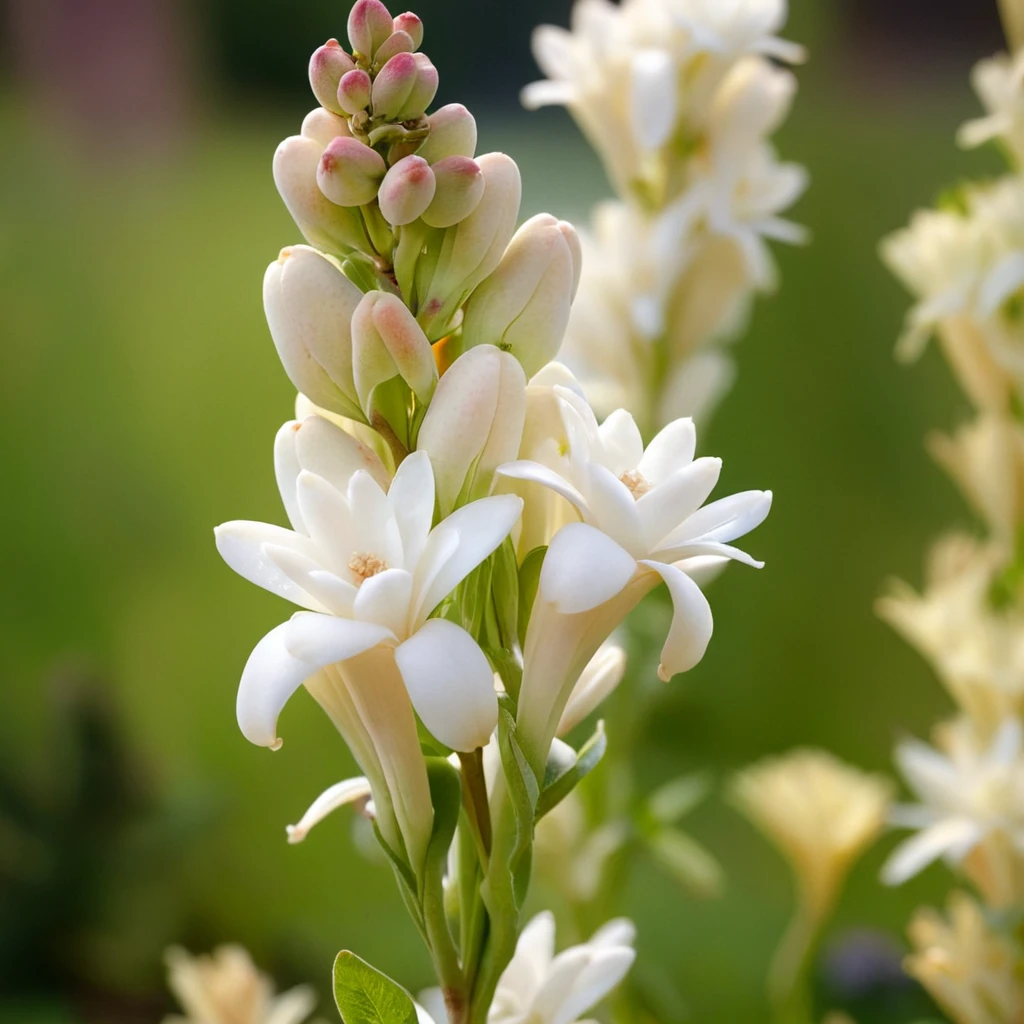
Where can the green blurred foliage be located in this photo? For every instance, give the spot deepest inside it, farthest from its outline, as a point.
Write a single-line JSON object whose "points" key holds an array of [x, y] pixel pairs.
{"points": [[139, 396]]}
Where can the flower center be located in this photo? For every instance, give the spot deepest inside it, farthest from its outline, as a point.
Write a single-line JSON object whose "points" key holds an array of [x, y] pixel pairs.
{"points": [[365, 566], [637, 483]]}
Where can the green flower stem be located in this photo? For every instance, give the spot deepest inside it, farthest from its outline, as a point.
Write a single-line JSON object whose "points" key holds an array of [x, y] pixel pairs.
{"points": [[789, 981], [442, 947], [474, 798]]}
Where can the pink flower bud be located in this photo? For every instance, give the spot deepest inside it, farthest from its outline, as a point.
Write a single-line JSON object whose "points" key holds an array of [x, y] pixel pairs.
{"points": [[411, 24], [523, 307], [324, 224], [350, 172], [393, 85], [452, 133], [423, 92], [460, 187], [406, 191], [369, 25], [326, 67], [386, 343], [397, 42], [354, 91]]}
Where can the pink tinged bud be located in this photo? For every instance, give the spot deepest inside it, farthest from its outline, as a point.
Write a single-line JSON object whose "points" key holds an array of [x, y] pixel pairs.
{"points": [[406, 191], [369, 26], [412, 26], [386, 343], [393, 86], [350, 172], [326, 68], [324, 126], [309, 305], [460, 187], [354, 91], [452, 133], [474, 424], [423, 92], [475, 245], [523, 307], [324, 224], [397, 42]]}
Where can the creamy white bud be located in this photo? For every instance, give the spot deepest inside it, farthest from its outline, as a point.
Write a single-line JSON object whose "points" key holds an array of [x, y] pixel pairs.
{"points": [[324, 224], [309, 305], [459, 189], [406, 191], [350, 172], [369, 26], [523, 307], [452, 133], [326, 68], [474, 424], [412, 26], [354, 91], [394, 85], [397, 42]]}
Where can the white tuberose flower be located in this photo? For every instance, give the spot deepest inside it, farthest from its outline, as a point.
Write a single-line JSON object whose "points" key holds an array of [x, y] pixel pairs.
{"points": [[641, 520], [968, 794], [540, 987]]}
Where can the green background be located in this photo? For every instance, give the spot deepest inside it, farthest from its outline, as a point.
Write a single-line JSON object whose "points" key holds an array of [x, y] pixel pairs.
{"points": [[139, 396]]}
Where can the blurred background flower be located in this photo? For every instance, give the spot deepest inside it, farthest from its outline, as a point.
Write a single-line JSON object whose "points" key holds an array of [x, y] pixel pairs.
{"points": [[137, 215]]}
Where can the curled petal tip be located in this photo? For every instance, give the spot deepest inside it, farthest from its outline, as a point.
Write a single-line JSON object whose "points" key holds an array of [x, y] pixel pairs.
{"points": [[295, 834], [277, 744], [664, 675]]}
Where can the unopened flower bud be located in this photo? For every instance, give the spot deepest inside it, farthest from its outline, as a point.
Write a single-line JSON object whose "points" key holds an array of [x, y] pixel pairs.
{"points": [[354, 91], [474, 424], [324, 224], [350, 172], [393, 86], [326, 68], [412, 26], [476, 245], [460, 187], [369, 26], [523, 307], [406, 191], [397, 42], [452, 133], [324, 126], [423, 92], [387, 342], [309, 304]]}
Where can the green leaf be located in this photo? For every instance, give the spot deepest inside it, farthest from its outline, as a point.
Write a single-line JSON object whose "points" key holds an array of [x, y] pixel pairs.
{"points": [[407, 884], [564, 782], [524, 792], [675, 799], [505, 594], [365, 996], [689, 863], [529, 580]]}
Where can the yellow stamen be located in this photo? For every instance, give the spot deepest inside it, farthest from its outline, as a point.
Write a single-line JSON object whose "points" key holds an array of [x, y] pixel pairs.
{"points": [[636, 482], [365, 566]]}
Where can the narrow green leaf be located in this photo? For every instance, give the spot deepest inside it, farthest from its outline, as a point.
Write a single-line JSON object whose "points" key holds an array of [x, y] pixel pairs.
{"points": [[689, 863], [406, 879], [524, 792], [675, 799], [563, 784], [365, 996], [529, 580], [505, 594]]}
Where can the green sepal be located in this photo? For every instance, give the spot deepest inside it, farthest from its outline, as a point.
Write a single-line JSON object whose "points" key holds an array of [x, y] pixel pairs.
{"points": [[529, 581], [407, 884], [446, 796], [365, 996], [505, 590], [566, 774], [389, 402]]}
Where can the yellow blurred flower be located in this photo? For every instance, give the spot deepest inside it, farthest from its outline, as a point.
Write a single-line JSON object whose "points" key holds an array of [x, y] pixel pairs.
{"points": [[226, 987], [971, 971], [820, 813]]}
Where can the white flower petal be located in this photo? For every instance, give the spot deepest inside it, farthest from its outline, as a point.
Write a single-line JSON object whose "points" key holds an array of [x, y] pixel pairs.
{"points": [[653, 97], [450, 684], [333, 594], [329, 800], [613, 508], [914, 855], [583, 568], [692, 623], [606, 968], [286, 471], [672, 449], [552, 49], [270, 677], [320, 640], [1005, 278], [328, 519], [534, 952], [385, 599], [241, 545], [724, 520], [327, 450], [601, 676], [538, 474], [547, 94], [622, 441], [666, 506], [479, 528], [412, 499]]}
